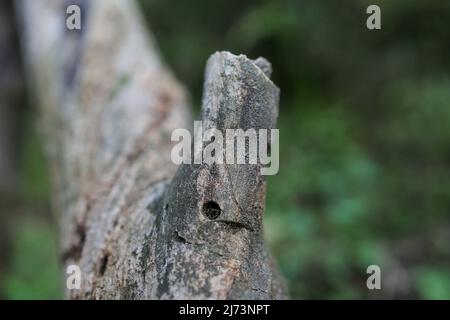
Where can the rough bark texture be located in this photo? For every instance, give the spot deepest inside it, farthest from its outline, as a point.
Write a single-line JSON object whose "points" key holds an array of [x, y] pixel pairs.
{"points": [[135, 224]]}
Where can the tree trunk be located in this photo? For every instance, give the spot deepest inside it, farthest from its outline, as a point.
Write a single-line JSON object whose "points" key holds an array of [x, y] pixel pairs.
{"points": [[137, 226]]}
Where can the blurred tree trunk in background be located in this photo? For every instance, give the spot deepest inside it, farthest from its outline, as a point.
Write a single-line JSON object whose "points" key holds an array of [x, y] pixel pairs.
{"points": [[11, 104], [108, 106]]}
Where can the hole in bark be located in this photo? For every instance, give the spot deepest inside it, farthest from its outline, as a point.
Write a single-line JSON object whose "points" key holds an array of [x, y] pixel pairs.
{"points": [[211, 210]]}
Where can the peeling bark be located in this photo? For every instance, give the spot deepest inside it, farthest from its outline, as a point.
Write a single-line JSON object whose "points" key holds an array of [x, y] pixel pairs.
{"points": [[136, 225]]}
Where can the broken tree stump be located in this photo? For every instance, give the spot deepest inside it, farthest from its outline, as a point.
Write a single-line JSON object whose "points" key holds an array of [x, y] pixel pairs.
{"points": [[136, 225]]}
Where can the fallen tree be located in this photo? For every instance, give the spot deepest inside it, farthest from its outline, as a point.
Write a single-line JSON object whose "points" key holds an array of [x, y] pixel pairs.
{"points": [[136, 225]]}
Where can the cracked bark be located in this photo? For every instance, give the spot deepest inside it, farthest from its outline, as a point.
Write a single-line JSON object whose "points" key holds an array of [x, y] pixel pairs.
{"points": [[138, 226]]}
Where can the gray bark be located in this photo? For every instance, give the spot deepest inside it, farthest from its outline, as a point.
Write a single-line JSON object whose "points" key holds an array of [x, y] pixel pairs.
{"points": [[136, 224]]}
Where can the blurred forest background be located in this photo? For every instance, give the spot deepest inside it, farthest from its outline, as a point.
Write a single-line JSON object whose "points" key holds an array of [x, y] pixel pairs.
{"points": [[365, 144]]}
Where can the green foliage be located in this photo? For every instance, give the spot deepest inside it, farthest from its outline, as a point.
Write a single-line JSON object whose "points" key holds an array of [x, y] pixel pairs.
{"points": [[319, 203], [33, 273], [434, 283], [35, 182]]}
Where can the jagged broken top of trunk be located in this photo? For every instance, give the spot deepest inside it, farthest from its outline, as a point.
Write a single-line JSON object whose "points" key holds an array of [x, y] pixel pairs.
{"points": [[210, 237], [201, 236]]}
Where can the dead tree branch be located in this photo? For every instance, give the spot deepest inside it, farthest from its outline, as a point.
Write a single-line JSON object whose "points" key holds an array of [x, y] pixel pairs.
{"points": [[135, 225]]}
